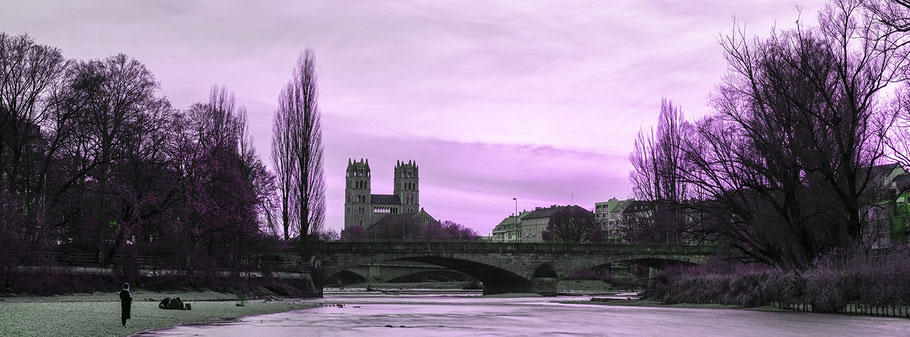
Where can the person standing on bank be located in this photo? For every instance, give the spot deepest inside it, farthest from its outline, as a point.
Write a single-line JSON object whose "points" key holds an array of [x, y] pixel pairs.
{"points": [[126, 300]]}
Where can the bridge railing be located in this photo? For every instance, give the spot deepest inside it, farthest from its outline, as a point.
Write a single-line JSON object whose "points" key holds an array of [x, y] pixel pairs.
{"points": [[500, 247]]}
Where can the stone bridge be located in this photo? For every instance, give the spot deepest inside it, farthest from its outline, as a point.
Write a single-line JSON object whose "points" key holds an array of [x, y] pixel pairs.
{"points": [[387, 271], [508, 267]]}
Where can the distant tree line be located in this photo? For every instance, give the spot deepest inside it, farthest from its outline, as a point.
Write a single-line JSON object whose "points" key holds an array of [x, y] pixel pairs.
{"points": [[411, 229], [94, 159], [787, 164]]}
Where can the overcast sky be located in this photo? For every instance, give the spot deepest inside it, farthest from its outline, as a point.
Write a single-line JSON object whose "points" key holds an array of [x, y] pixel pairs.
{"points": [[538, 100]]}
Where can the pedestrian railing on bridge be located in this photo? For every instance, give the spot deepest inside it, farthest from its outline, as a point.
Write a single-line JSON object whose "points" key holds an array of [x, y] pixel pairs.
{"points": [[499, 247]]}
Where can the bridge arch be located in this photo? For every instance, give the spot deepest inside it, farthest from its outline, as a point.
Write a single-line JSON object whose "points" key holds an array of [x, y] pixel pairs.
{"points": [[345, 277], [651, 261], [496, 279], [442, 275], [544, 270]]}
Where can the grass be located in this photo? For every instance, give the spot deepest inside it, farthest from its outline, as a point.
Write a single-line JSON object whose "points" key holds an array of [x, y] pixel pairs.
{"points": [[767, 308], [98, 314], [138, 295]]}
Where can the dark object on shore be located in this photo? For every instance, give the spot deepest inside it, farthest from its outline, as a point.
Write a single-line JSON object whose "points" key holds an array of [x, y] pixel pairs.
{"points": [[126, 300], [172, 304]]}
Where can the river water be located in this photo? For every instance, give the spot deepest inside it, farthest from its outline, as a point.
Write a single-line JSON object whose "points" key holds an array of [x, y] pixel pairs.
{"points": [[471, 315]]}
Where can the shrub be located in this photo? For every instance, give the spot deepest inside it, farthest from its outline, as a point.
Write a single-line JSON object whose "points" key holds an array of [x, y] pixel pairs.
{"points": [[829, 284], [12, 242]]}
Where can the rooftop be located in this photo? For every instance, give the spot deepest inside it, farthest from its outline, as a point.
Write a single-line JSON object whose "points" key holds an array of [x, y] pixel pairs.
{"points": [[547, 212]]}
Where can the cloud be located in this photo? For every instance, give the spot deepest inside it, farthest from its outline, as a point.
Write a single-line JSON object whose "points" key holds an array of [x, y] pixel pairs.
{"points": [[530, 99], [474, 183]]}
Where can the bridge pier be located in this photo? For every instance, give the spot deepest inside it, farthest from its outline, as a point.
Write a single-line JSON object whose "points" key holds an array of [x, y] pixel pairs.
{"points": [[374, 274], [545, 286], [494, 288]]}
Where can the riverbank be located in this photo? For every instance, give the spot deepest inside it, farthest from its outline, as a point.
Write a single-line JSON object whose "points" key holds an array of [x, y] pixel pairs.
{"points": [[658, 304], [470, 315], [404, 286], [564, 286], [842, 281], [98, 314]]}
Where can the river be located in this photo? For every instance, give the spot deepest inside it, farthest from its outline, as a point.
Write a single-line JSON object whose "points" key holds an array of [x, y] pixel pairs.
{"points": [[471, 315]]}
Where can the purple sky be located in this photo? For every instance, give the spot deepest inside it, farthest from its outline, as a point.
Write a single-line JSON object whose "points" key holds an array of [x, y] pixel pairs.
{"points": [[537, 100]]}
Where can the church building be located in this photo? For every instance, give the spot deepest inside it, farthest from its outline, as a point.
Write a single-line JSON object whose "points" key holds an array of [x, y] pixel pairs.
{"points": [[364, 209]]}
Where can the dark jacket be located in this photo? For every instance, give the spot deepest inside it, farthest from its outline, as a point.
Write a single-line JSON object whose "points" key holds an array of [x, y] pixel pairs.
{"points": [[126, 299]]}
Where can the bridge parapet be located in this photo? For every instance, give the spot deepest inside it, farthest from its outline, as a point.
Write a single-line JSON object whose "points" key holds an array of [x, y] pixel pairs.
{"points": [[497, 247]]}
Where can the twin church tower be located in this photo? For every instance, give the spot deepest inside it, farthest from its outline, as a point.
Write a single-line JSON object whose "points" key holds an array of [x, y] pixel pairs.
{"points": [[364, 209]]}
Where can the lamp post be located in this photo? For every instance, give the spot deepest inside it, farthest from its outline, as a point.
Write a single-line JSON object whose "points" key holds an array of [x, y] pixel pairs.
{"points": [[517, 223], [516, 206]]}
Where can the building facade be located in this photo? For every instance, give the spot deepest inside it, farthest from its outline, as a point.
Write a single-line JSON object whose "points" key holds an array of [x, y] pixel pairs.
{"points": [[362, 208], [535, 223], [509, 229], [608, 215], [889, 220], [527, 226]]}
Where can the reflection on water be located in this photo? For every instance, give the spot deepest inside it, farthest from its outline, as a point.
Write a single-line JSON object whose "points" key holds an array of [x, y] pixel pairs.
{"points": [[465, 315]]}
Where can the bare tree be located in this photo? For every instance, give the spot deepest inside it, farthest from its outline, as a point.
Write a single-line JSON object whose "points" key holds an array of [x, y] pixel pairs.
{"points": [[787, 164], [899, 140], [299, 114], [29, 73], [285, 167], [893, 24], [570, 224], [894, 14], [657, 159], [115, 150]]}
